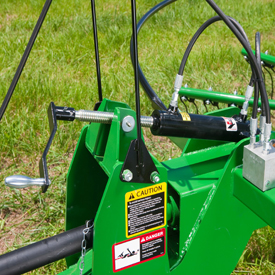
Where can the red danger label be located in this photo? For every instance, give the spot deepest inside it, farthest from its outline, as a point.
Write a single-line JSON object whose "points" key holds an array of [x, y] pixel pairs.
{"points": [[138, 250], [152, 236]]}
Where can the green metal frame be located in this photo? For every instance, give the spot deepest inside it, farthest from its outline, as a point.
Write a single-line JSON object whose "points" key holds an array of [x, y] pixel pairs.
{"points": [[211, 209], [220, 97], [269, 59]]}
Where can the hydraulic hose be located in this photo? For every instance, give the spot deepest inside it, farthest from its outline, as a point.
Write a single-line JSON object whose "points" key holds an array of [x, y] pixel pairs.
{"points": [[258, 58], [256, 90], [200, 31], [158, 104], [146, 86], [251, 57]]}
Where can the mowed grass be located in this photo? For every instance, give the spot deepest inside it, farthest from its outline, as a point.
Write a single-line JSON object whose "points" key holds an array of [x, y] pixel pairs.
{"points": [[61, 68]]}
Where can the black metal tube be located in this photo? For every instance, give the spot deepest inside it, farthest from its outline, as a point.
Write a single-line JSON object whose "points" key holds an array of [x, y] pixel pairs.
{"points": [[44, 252], [96, 51], [156, 101], [137, 94], [25, 57]]}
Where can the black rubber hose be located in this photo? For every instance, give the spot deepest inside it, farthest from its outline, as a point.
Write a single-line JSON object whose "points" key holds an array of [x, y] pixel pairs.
{"points": [[200, 31], [146, 86], [25, 57], [251, 57], [44, 252], [258, 57], [157, 103], [256, 90]]}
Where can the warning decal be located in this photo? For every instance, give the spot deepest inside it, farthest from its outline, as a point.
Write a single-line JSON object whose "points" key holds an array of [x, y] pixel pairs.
{"points": [[138, 250], [185, 116], [145, 209], [231, 124]]}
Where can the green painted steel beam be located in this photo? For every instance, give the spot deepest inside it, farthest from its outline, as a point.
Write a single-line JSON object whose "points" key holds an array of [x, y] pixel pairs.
{"points": [[222, 228], [269, 59], [261, 203], [220, 97]]}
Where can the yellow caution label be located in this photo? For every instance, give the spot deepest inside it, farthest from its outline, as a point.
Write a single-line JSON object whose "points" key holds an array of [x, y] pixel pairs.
{"points": [[185, 116], [145, 209]]}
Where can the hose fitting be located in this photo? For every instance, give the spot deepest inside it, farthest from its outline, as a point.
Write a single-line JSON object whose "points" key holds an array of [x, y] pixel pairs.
{"points": [[174, 102], [248, 95], [253, 131], [267, 133], [262, 128]]}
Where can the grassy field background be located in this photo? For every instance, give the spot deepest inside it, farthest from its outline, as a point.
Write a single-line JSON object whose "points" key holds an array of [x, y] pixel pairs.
{"points": [[61, 68]]}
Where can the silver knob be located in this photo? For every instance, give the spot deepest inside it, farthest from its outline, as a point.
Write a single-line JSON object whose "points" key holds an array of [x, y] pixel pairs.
{"points": [[18, 181]]}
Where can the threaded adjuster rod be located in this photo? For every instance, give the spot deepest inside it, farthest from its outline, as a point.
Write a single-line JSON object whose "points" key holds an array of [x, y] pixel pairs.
{"points": [[106, 117]]}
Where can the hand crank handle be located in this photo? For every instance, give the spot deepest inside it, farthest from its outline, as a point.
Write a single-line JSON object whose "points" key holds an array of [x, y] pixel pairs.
{"points": [[18, 181]]}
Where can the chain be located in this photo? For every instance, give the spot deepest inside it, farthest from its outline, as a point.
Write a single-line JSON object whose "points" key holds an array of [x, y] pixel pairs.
{"points": [[83, 246]]}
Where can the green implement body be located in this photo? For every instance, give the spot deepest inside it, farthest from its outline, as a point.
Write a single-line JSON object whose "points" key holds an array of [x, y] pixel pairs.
{"points": [[210, 210], [128, 213]]}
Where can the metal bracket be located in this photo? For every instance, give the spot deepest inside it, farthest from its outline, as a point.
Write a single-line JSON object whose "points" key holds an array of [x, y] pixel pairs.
{"points": [[141, 171]]}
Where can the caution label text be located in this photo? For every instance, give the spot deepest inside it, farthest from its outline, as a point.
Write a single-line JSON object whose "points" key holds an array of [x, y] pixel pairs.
{"points": [[145, 209]]}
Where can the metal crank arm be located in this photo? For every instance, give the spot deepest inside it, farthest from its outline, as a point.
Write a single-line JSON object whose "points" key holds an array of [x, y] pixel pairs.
{"points": [[17, 181], [54, 113]]}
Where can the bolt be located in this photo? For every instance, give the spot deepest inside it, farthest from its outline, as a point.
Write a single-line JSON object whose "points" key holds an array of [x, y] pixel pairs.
{"points": [[128, 124], [266, 52], [207, 101], [235, 92], [186, 86], [259, 110], [267, 182], [155, 177], [245, 57], [127, 175], [210, 89]]}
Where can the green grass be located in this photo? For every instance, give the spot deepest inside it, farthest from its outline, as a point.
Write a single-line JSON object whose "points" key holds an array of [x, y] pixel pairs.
{"points": [[61, 68]]}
